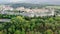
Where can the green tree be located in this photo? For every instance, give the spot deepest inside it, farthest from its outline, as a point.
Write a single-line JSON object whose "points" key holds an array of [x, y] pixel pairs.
{"points": [[17, 32], [48, 32]]}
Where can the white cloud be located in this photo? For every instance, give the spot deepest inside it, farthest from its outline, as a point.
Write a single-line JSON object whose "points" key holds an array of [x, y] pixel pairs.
{"points": [[31, 1], [15, 0]]}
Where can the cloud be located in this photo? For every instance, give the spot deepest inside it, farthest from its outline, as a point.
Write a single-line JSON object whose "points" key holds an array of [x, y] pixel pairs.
{"points": [[31, 1], [15, 0]]}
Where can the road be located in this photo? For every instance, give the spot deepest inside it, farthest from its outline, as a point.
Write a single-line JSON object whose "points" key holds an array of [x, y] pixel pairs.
{"points": [[4, 20]]}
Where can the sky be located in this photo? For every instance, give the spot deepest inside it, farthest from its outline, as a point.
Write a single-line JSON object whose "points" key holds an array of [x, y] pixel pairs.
{"points": [[31, 1]]}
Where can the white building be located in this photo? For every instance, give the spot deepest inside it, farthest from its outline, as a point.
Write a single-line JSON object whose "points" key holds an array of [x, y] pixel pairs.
{"points": [[39, 12], [31, 12], [7, 8]]}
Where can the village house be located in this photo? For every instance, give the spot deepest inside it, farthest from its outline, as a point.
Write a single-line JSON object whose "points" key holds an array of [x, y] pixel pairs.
{"points": [[29, 12], [5, 7], [37, 12]]}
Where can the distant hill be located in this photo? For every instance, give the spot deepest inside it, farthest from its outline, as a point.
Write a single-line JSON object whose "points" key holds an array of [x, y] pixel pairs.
{"points": [[27, 5]]}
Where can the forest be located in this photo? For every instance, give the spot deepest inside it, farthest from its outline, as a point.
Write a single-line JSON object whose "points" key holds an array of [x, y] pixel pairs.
{"points": [[30, 25]]}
